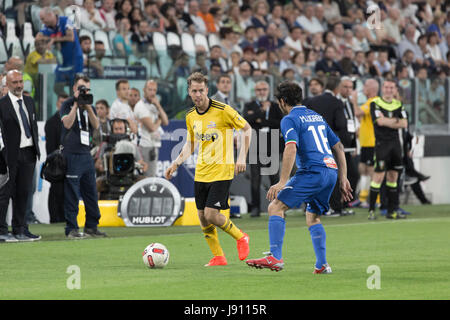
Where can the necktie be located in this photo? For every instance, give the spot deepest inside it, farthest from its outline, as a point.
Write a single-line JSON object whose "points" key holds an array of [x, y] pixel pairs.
{"points": [[226, 101], [26, 125]]}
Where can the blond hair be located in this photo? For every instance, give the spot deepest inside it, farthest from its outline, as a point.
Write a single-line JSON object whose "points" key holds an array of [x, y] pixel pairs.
{"points": [[197, 77]]}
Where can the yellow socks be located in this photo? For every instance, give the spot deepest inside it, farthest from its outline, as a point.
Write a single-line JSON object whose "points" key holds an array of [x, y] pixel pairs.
{"points": [[212, 238], [232, 230]]}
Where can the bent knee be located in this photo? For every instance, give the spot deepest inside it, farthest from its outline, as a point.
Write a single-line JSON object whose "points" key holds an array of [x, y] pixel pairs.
{"points": [[277, 208]]}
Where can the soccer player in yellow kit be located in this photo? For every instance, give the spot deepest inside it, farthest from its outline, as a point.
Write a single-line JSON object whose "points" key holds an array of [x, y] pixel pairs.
{"points": [[210, 125]]}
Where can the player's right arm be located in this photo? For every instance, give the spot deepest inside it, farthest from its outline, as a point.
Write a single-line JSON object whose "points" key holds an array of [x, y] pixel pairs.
{"points": [[185, 153]]}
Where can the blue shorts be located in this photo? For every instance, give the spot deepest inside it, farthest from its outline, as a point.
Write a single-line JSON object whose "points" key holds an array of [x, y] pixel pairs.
{"points": [[313, 187]]}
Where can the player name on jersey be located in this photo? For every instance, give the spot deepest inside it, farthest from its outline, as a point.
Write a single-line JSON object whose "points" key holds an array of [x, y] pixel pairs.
{"points": [[311, 118]]}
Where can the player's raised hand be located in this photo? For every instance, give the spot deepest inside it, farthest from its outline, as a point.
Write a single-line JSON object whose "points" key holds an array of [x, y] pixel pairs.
{"points": [[170, 171], [273, 191], [346, 190]]}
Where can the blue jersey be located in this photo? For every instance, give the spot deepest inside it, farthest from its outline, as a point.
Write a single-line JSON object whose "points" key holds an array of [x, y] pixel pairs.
{"points": [[71, 51], [313, 137]]}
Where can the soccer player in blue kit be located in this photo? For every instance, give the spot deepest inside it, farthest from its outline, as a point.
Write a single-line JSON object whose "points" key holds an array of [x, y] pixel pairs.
{"points": [[308, 139]]}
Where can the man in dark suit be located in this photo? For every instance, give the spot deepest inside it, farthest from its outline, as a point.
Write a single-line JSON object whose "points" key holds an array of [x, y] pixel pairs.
{"points": [[20, 136], [332, 110], [264, 116], [223, 89], [53, 128], [4, 177]]}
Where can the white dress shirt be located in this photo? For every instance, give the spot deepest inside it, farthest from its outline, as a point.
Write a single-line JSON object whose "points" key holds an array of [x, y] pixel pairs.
{"points": [[24, 141]]}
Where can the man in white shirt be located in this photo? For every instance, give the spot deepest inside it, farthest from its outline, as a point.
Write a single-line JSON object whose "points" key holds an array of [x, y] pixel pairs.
{"points": [[120, 109], [151, 116], [107, 13], [294, 39], [309, 22], [200, 26]]}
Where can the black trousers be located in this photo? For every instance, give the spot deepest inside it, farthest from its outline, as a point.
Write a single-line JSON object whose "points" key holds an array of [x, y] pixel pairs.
{"points": [[56, 202], [18, 188], [352, 176], [255, 178]]}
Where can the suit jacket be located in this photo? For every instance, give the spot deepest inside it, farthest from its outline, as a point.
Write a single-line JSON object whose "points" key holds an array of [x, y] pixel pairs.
{"points": [[53, 128], [3, 156], [11, 132], [218, 97], [253, 111], [332, 110]]}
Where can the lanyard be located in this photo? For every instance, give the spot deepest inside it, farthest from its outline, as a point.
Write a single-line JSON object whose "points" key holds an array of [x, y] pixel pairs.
{"points": [[86, 119]]}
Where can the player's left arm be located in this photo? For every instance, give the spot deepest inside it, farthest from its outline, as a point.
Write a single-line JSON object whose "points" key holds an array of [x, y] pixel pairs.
{"points": [[69, 36], [344, 184]]}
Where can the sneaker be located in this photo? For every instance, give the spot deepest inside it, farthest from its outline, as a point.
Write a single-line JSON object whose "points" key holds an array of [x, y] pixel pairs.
{"points": [[94, 233], [332, 213], [326, 269], [76, 235], [372, 215], [21, 237], [395, 216], [269, 262], [217, 261], [355, 203], [8, 238], [33, 237], [242, 247]]}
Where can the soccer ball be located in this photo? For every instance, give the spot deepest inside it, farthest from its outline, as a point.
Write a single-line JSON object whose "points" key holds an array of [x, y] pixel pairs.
{"points": [[155, 255]]}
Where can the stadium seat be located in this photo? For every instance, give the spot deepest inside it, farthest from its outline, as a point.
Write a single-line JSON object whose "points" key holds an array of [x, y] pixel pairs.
{"points": [[85, 32], [200, 40], [188, 46], [213, 40], [173, 39], [28, 38], [7, 4], [12, 42], [159, 41], [100, 35], [35, 20], [3, 51]]}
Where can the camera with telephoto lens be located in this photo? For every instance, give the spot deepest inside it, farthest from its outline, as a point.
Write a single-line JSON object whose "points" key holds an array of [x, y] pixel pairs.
{"points": [[84, 97]]}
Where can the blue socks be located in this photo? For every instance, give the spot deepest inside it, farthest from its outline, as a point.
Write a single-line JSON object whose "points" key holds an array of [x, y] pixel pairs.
{"points": [[277, 227], [318, 237]]}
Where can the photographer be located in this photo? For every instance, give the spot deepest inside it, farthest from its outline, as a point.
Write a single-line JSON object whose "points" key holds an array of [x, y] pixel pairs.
{"points": [[79, 121]]}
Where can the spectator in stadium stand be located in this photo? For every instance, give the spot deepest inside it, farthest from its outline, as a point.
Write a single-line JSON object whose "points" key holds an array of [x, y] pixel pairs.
{"points": [[250, 38], [259, 19], [120, 109], [199, 23], [276, 16], [184, 19], [360, 42], [99, 54], [271, 41], [171, 23], [408, 61], [382, 63], [311, 60], [53, 128], [136, 16], [124, 9], [331, 10], [217, 14], [328, 64], [216, 56], [248, 54], [122, 40], [315, 86], [93, 68], [215, 70], [261, 60], [308, 21], [433, 48], [263, 116], [151, 116], [153, 16], [294, 39], [108, 14], [40, 55], [224, 86], [393, 25], [142, 39], [371, 68], [233, 18], [200, 62], [408, 43], [245, 85], [207, 17], [60, 30], [246, 16], [284, 55], [299, 65], [90, 17], [359, 63], [227, 42]]}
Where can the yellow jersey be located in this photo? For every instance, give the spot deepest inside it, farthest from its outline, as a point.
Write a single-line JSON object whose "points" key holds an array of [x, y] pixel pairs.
{"points": [[366, 130], [31, 65], [213, 130]]}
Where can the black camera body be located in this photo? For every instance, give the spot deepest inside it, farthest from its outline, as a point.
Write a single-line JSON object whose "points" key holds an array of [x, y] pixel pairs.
{"points": [[84, 97]]}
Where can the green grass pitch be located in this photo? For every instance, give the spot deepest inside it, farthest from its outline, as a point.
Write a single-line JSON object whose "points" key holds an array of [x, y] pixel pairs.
{"points": [[412, 257]]}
